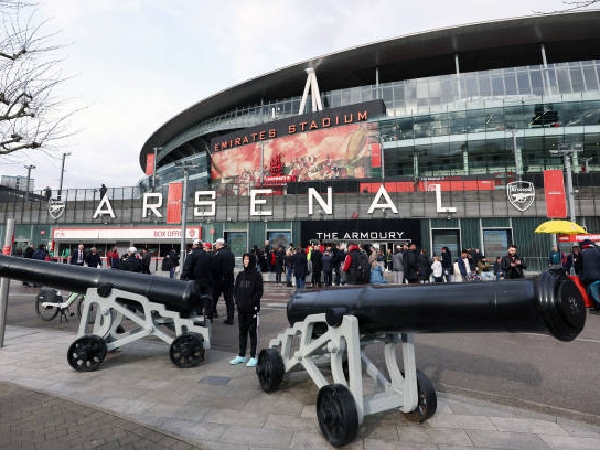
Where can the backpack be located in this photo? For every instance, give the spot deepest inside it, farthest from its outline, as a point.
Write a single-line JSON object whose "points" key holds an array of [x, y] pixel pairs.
{"points": [[360, 263]]}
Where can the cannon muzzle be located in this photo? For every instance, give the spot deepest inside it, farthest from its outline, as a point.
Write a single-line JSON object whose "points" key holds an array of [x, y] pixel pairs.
{"points": [[176, 295], [550, 303]]}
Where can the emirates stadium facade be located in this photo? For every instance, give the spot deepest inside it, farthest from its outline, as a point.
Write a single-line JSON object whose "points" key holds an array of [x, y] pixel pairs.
{"points": [[455, 137]]}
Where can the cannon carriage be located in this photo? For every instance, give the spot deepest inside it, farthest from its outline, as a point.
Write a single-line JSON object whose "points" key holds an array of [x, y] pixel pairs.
{"points": [[163, 307], [331, 328]]}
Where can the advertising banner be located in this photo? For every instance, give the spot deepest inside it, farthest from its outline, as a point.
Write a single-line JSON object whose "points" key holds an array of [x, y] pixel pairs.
{"points": [[554, 187], [150, 164], [174, 203]]}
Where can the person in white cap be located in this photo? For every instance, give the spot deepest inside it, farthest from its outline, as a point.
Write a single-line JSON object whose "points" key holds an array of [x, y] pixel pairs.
{"points": [[223, 263], [199, 268], [130, 261]]}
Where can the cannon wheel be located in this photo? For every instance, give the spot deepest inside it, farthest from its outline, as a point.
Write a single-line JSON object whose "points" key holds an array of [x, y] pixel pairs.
{"points": [[48, 313], [427, 405], [87, 353], [269, 369], [187, 350], [337, 414]]}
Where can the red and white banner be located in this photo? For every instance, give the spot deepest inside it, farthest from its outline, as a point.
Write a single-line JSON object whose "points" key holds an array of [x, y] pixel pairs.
{"points": [[554, 187], [174, 203], [574, 238], [124, 233], [150, 164], [376, 155]]}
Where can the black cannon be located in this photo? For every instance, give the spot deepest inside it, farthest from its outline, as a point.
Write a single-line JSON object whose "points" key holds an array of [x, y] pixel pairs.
{"points": [[332, 327], [157, 305]]}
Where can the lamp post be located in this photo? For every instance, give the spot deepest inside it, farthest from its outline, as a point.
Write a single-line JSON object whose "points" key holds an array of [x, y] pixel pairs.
{"points": [[566, 151], [186, 166], [29, 168], [155, 150], [62, 173]]}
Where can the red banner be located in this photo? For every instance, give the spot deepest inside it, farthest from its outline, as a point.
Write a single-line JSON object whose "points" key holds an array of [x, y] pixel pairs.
{"points": [[174, 203], [556, 200], [150, 164], [376, 155]]}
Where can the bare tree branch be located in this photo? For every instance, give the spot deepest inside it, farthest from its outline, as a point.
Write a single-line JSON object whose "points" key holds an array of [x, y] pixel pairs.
{"points": [[30, 111]]}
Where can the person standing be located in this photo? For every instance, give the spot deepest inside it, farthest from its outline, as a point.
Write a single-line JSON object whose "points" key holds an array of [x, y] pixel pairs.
{"points": [[79, 256], [39, 253], [103, 189], [436, 270], [300, 267], [224, 265], [130, 261], [316, 258], [112, 258], [146, 260], [555, 258], [411, 264], [398, 264], [464, 265], [446, 264], [338, 256], [289, 266], [498, 268], [587, 267], [424, 264], [327, 264], [279, 260], [352, 275], [93, 258], [513, 265], [198, 267], [47, 193], [248, 291]]}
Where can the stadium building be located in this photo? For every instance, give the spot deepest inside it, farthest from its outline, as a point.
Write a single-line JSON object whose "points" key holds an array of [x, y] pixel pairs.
{"points": [[466, 136]]}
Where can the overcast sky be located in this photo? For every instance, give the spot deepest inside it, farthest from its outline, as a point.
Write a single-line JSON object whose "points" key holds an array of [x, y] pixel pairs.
{"points": [[138, 63]]}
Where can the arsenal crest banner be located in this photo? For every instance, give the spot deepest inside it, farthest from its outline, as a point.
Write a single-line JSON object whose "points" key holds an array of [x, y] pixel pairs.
{"points": [[554, 187]]}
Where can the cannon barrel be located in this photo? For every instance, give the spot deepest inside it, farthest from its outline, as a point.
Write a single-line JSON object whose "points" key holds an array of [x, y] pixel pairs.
{"points": [[550, 303], [176, 295]]}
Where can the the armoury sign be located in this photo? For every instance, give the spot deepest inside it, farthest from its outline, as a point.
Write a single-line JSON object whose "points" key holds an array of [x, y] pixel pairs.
{"points": [[357, 231], [521, 194]]}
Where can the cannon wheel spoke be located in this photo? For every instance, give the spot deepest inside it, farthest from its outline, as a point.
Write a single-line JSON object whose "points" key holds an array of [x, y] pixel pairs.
{"points": [[187, 350], [337, 414], [87, 353], [427, 405], [269, 369]]}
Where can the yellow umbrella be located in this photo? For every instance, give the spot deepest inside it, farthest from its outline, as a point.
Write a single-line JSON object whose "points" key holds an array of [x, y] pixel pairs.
{"points": [[560, 227]]}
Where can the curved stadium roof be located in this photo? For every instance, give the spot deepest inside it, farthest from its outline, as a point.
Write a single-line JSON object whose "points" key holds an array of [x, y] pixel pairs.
{"points": [[570, 36]]}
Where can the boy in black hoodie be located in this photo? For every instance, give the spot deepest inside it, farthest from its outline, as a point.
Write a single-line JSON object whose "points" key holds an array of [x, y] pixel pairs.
{"points": [[247, 293]]}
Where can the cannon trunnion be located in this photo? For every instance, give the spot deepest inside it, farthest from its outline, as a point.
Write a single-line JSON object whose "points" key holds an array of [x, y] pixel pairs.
{"points": [[331, 328], [158, 306]]}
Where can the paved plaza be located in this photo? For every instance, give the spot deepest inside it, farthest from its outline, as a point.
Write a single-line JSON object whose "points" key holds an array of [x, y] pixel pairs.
{"points": [[139, 400]]}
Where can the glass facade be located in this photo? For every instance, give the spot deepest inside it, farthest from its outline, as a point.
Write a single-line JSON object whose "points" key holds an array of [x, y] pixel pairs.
{"points": [[457, 124]]}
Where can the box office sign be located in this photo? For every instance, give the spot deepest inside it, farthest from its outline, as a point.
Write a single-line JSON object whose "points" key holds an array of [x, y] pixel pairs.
{"points": [[125, 233]]}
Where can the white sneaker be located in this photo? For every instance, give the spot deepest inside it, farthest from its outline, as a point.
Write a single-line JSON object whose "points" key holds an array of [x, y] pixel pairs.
{"points": [[252, 362], [238, 360]]}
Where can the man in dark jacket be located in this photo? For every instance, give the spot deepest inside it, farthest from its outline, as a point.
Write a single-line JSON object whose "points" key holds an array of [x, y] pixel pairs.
{"points": [[317, 265], [198, 267], [350, 264], [223, 263], [27, 253], [279, 258], [300, 267], [248, 292], [587, 267], [93, 258], [512, 264], [411, 264], [146, 260], [130, 261]]}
